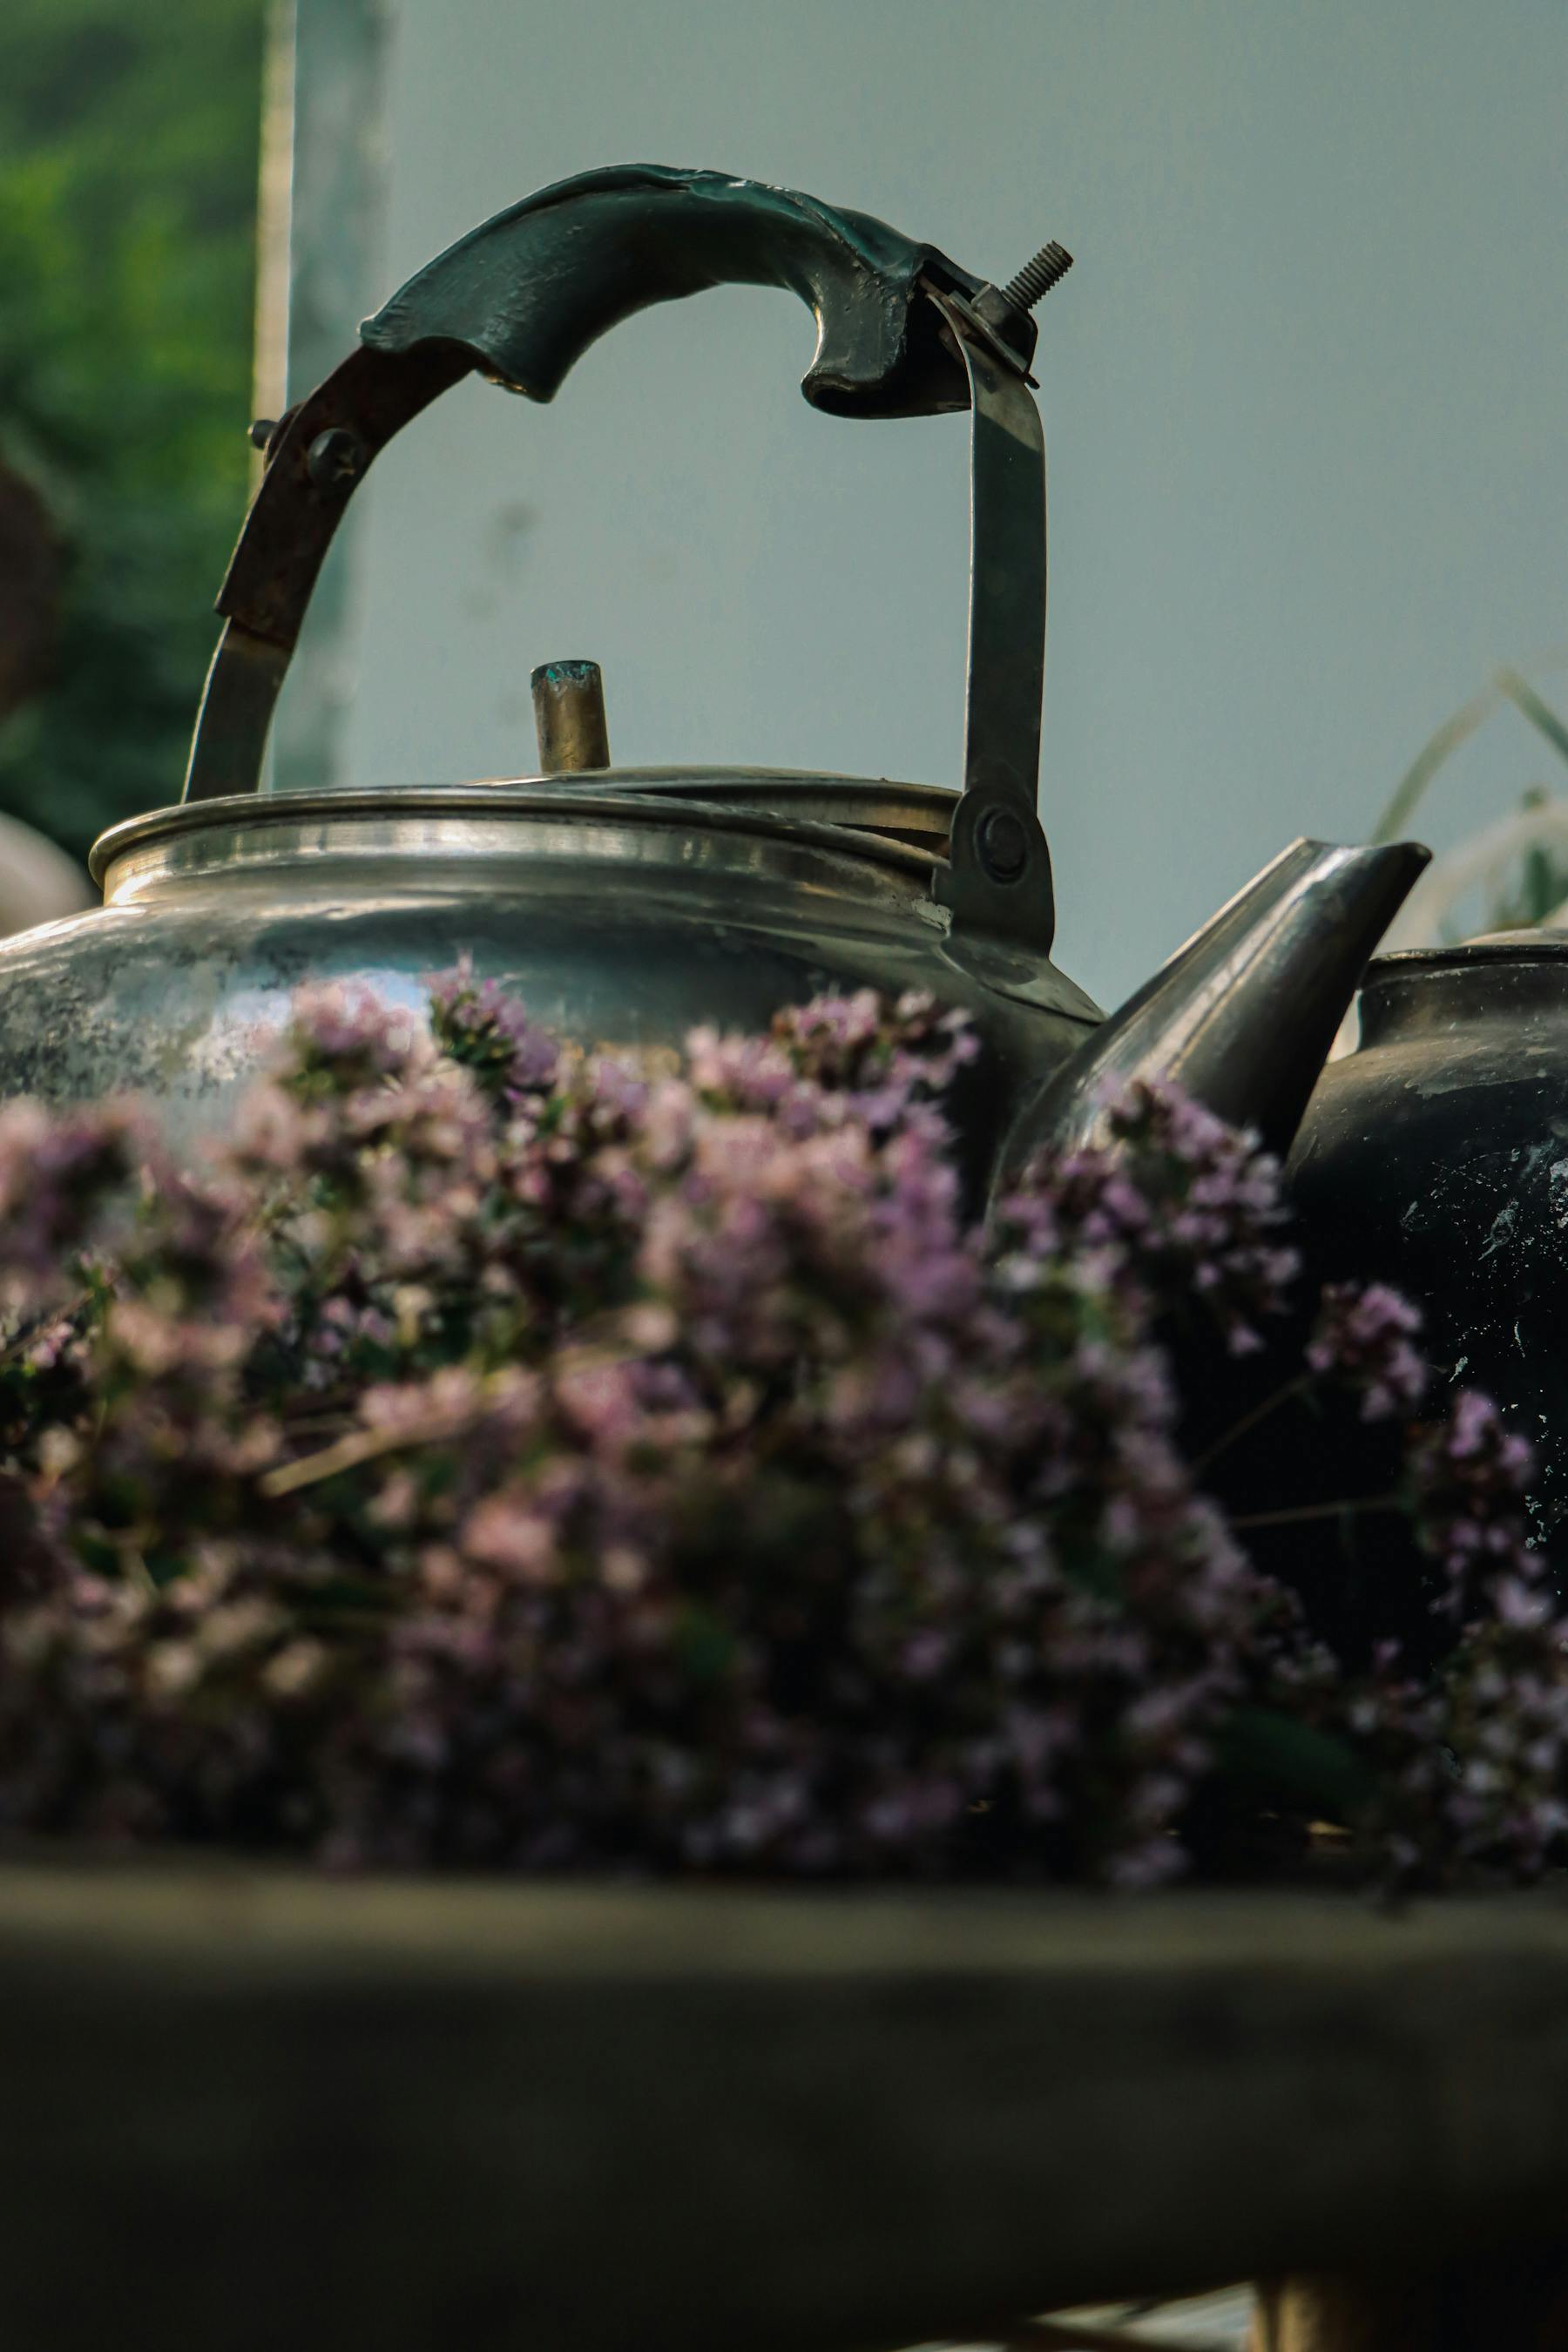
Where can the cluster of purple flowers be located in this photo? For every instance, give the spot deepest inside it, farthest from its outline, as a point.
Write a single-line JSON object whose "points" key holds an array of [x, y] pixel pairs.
{"points": [[502, 1454], [1367, 1333]]}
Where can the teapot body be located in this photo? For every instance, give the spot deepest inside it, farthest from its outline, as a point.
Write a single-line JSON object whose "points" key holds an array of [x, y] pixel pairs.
{"points": [[621, 917], [1434, 1157]]}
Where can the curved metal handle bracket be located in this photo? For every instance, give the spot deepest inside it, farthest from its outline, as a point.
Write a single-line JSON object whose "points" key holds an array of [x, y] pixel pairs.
{"points": [[998, 874], [900, 331], [316, 459]]}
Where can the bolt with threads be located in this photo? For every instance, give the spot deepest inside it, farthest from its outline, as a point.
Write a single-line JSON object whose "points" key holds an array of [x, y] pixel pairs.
{"points": [[1036, 277]]}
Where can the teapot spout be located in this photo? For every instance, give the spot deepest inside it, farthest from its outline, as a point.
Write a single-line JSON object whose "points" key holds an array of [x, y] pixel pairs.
{"points": [[1243, 1016]]}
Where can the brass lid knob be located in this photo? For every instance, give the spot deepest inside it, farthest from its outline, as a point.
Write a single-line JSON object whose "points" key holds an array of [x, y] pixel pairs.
{"points": [[569, 717]]}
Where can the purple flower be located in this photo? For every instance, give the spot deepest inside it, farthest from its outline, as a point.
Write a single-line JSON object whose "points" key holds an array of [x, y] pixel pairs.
{"points": [[1187, 1208], [489, 1033], [503, 1455], [1470, 1477], [1363, 1335]]}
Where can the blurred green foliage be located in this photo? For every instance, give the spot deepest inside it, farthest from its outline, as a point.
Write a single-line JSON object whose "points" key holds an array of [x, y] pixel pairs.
{"points": [[1539, 885], [129, 140]]}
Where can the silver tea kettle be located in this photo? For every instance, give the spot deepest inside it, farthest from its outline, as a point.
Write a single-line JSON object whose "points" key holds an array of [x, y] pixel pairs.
{"points": [[625, 905]]}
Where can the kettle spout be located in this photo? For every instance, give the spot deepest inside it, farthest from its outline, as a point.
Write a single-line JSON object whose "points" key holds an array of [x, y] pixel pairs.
{"points": [[1241, 1018]]}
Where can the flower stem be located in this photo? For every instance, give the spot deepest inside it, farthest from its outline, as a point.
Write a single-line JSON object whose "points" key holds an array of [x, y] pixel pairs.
{"points": [[360, 1446], [1300, 1511], [1250, 1420]]}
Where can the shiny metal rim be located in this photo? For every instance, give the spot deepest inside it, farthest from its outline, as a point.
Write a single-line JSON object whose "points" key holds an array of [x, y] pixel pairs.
{"points": [[1523, 946], [527, 800]]}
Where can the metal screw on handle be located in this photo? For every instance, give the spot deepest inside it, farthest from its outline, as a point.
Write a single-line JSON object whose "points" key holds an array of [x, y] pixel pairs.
{"points": [[1038, 277], [1002, 313], [335, 459]]}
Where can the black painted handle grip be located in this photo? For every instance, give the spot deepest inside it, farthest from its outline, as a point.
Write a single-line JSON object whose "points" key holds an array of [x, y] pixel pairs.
{"points": [[526, 293]]}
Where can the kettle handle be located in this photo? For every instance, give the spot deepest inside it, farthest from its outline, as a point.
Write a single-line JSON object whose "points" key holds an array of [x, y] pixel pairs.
{"points": [[526, 293], [901, 330]]}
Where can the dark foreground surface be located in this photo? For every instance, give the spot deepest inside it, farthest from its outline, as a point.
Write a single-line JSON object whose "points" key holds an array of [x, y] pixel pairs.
{"points": [[242, 2109]]}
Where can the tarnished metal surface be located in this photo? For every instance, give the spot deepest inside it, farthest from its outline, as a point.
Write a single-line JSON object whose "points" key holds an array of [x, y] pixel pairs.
{"points": [[569, 717], [618, 916], [1242, 1015], [999, 877], [477, 817], [919, 815], [291, 525], [1440, 1148], [243, 683]]}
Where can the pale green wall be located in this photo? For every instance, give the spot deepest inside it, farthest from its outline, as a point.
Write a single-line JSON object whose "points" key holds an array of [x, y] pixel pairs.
{"points": [[1305, 396]]}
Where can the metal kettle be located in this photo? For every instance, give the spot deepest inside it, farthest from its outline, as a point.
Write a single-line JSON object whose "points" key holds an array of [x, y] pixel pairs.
{"points": [[626, 905], [1436, 1155]]}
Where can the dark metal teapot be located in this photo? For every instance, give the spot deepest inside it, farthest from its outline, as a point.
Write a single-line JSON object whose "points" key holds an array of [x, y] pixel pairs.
{"points": [[1437, 1156], [625, 905]]}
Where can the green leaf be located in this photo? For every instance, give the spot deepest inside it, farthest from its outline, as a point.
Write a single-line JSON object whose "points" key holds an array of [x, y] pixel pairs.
{"points": [[129, 148], [1294, 1760], [1540, 714], [1412, 785], [704, 1646]]}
